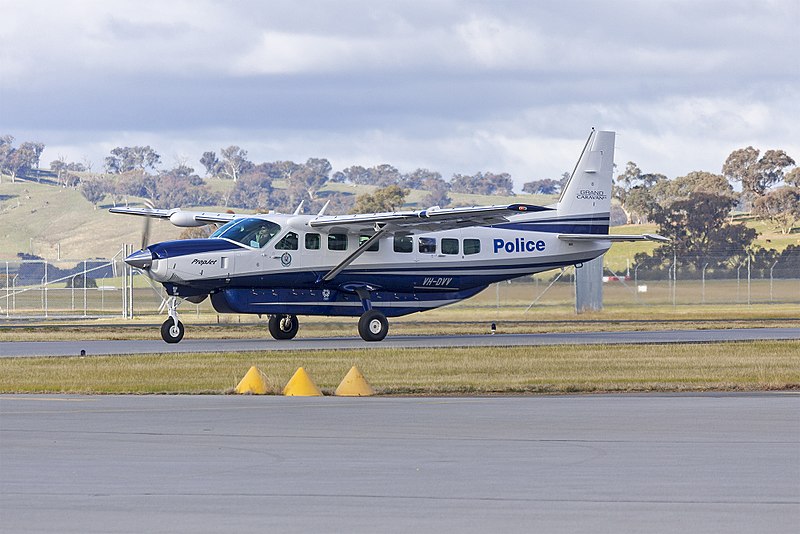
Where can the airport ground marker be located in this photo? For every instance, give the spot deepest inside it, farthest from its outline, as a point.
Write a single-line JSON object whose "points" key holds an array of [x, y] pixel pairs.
{"points": [[354, 385], [301, 385], [253, 382]]}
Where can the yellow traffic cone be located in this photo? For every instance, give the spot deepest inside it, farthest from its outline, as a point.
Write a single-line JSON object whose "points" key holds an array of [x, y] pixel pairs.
{"points": [[301, 385], [253, 382], [354, 385]]}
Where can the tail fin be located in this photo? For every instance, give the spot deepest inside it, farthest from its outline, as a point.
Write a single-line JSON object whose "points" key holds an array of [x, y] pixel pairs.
{"points": [[588, 191]]}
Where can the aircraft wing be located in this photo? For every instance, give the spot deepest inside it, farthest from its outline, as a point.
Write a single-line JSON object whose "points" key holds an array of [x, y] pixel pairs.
{"points": [[613, 237], [427, 220], [179, 217]]}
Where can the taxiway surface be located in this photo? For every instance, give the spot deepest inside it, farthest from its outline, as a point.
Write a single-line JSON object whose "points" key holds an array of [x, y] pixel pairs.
{"points": [[595, 463], [98, 347]]}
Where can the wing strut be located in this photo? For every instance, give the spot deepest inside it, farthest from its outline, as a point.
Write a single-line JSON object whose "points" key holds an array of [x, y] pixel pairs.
{"points": [[330, 275]]}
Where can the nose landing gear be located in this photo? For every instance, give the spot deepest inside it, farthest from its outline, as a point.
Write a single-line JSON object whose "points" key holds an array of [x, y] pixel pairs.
{"points": [[172, 329]]}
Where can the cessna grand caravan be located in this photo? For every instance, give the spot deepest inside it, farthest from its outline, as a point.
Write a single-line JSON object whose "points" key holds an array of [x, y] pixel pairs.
{"points": [[377, 265]]}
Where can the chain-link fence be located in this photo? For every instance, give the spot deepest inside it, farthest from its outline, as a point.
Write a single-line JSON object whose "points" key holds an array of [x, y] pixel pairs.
{"points": [[96, 288]]}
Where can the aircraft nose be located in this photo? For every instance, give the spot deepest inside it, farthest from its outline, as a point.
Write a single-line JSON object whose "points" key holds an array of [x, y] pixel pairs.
{"points": [[141, 259]]}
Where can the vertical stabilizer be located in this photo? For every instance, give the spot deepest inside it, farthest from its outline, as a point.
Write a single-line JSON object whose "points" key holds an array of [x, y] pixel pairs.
{"points": [[588, 191]]}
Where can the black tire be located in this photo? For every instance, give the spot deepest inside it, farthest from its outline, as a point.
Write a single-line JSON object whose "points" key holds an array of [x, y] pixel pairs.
{"points": [[373, 326], [171, 332], [283, 326]]}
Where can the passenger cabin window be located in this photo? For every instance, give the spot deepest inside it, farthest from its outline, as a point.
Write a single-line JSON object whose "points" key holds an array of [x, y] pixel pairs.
{"points": [[427, 245], [312, 242], [374, 247], [403, 243], [337, 241], [449, 245], [472, 246], [252, 232], [289, 242]]}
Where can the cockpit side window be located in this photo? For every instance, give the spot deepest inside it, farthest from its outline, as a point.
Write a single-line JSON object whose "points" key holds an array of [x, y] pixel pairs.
{"points": [[252, 232], [289, 242]]}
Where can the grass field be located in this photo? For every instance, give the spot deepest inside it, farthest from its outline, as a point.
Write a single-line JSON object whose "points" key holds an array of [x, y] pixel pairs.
{"points": [[510, 370]]}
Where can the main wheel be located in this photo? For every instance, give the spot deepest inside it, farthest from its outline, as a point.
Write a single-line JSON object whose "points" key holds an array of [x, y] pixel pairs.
{"points": [[172, 331], [283, 326], [373, 326]]}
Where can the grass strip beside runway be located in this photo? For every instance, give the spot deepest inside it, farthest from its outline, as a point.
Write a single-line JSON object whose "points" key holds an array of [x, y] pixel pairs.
{"points": [[761, 365]]}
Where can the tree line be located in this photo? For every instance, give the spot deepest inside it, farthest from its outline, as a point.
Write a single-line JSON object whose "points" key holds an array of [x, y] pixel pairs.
{"points": [[694, 211]]}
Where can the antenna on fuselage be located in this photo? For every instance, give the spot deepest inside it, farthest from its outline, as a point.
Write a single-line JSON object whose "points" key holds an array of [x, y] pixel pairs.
{"points": [[322, 211], [299, 207]]}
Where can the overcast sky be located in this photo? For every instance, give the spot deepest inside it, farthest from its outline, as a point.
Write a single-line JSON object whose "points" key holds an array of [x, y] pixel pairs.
{"points": [[454, 86]]}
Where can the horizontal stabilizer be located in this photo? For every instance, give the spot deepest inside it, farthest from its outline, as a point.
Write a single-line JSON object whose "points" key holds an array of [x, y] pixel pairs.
{"points": [[613, 237]]}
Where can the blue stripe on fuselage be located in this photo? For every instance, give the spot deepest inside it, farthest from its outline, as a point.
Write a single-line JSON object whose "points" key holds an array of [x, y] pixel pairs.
{"points": [[187, 247]]}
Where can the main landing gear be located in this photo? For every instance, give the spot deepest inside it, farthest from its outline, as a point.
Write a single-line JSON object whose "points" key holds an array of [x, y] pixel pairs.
{"points": [[172, 330], [372, 326], [283, 326]]}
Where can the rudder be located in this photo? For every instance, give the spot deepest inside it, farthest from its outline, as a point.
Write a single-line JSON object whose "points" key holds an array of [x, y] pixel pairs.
{"points": [[588, 191]]}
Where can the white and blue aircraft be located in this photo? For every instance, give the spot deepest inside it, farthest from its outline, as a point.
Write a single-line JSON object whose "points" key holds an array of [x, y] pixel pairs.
{"points": [[378, 265]]}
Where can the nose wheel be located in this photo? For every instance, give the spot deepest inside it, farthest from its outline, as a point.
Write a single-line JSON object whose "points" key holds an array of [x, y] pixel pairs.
{"points": [[172, 329]]}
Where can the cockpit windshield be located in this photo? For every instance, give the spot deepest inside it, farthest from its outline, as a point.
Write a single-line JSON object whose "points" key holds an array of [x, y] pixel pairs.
{"points": [[253, 232]]}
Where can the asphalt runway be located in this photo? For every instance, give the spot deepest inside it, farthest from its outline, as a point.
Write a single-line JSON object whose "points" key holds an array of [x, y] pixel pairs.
{"points": [[595, 463], [73, 348]]}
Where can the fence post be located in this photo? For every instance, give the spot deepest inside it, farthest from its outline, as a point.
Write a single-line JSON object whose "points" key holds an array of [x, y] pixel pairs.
{"points": [[636, 280], [8, 282], [748, 279], [84, 288], [704, 283], [124, 281], [770, 279], [738, 282], [44, 288], [674, 278]]}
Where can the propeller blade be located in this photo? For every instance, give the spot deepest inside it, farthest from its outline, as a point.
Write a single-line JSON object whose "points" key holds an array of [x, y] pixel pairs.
{"points": [[146, 227]]}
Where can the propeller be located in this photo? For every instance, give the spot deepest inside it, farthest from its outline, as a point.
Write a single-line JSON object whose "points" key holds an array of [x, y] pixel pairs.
{"points": [[146, 228]]}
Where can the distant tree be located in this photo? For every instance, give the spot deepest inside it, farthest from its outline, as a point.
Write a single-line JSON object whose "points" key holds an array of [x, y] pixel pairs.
{"points": [[781, 206], [565, 176], [793, 177], [308, 179], [181, 187], [483, 184], [634, 191], [63, 170], [136, 184], [693, 212], [211, 163], [197, 232], [93, 190], [437, 193], [234, 162], [546, 186], [253, 191], [354, 175], [421, 179], [756, 174], [132, 158], [18, 161], [390, 198]]}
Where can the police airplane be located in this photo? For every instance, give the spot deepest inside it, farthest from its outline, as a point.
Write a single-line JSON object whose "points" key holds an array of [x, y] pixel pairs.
{"points": [[377, 265]]}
